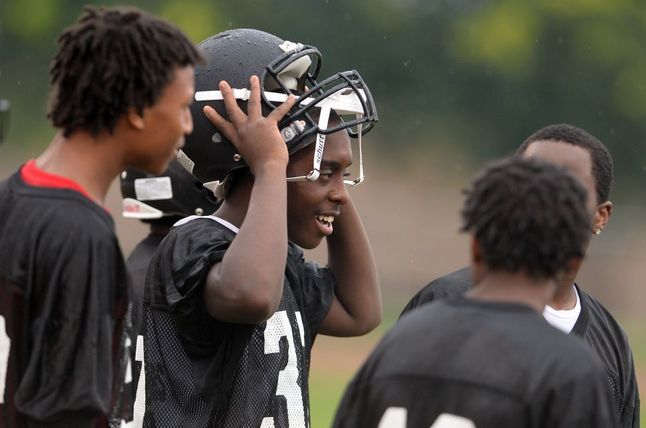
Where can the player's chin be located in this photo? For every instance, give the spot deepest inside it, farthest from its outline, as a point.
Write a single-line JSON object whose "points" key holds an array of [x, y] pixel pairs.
{"points": [[156, 167], [159, 165], [307, 241]]}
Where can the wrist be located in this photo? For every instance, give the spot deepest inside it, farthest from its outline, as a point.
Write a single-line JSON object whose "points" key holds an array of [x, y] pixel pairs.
{"points": [[271, 167]]}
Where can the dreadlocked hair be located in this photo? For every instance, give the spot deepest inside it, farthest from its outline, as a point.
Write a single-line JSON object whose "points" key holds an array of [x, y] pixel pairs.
{"points": [[111, 60], [602, 166], [527, 215]]}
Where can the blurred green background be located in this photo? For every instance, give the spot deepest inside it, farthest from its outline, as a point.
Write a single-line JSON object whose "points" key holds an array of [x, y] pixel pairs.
{"points": [[457, 83]]}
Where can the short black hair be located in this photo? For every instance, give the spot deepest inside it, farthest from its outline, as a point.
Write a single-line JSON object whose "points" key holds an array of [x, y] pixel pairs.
{"points": [[527, 215], [110, 60], [602, 166]]}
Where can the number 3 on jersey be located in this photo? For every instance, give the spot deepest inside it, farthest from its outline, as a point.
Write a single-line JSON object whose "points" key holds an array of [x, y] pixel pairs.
{"points": [[278, 326], [5, 345]]}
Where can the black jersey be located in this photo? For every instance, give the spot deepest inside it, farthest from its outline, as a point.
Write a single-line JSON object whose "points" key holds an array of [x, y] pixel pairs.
{"points": [[63, 309], [199, 371], [137, 264], [477, 364], [595, 325]]}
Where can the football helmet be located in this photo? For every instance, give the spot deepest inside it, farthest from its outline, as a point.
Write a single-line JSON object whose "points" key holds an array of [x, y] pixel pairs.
{"points": [[173, 193], [283, 68]]}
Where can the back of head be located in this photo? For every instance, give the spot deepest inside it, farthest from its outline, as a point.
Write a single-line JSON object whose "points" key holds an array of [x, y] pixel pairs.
{"points": [[283, 68], [166, 197], [527, 215], [602, 165], [110, 60]]}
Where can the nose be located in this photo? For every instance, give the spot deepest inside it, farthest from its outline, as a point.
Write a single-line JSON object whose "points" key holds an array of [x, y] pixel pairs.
{"points": [[339, 193]]}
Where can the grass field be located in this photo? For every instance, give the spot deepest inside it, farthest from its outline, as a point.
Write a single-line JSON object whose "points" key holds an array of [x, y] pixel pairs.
{"points": [[334, 362]]}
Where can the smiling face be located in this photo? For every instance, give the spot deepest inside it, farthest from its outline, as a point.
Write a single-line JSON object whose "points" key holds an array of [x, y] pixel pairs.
{"points": [[313, 206], [162, 127]]}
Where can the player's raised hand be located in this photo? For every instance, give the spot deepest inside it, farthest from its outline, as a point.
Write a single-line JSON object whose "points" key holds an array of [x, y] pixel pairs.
{"points": [[256, 137]]}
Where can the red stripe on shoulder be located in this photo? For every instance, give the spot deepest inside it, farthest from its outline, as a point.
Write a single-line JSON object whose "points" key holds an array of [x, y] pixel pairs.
{"points": [[34, 176]]}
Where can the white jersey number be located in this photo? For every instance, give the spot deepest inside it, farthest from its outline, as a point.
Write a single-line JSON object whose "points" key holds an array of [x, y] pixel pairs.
{"points": [[278, 326], [5, 346], [140, 398], [395, 417]]}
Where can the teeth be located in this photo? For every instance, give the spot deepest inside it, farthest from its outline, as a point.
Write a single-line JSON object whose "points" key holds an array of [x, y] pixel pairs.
{"points": [[325, 218]]}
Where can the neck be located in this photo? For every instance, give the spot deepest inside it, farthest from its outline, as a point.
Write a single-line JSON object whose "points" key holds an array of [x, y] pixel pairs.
{"points": [[159, 229], [508, 287], [234, 207], [564, 297], [92, 162]]}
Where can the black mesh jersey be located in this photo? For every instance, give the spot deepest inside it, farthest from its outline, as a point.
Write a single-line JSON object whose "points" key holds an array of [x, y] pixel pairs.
{"points": [[137, 264], [201, 372], [63, 311], [595, 325], [465, 363]]}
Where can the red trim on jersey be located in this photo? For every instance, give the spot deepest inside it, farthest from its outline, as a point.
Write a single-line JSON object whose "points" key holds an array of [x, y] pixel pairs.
{"points": [[34, 176]]}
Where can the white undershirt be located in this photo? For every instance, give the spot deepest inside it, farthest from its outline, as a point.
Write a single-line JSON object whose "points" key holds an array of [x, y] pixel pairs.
{"points": [[563, 320], [223, 222]]}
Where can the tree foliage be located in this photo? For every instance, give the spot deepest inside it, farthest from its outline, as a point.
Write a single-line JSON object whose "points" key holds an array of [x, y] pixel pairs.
{"points": [[476, 75]]}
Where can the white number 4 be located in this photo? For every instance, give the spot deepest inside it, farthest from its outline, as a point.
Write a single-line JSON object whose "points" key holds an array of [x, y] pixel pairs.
{"points": [[395, 417]]}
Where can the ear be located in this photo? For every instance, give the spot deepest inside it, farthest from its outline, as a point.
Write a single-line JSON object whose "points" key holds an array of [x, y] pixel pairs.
{"points": [[601, 217], [135, 119]]}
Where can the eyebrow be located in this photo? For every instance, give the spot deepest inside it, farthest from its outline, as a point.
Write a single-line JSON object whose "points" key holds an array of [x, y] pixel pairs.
{"points": [[333, 164]]}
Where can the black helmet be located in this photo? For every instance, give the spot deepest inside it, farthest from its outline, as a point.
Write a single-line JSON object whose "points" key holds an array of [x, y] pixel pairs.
{"points": [[283, 68], [173, 193]]}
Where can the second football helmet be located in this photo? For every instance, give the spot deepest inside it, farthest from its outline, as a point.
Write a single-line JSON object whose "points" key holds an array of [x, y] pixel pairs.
{"points": [[283, 68], [174, 193]]}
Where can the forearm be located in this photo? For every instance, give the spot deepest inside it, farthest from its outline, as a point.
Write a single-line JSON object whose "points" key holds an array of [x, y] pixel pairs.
{"points": [[250, 276], [357, 308]]}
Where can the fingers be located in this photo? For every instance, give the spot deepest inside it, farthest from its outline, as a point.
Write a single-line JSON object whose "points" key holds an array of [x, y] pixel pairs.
{"points": [[282, 109], [224, 126], [238, 122], [253, 105], [236, 115], [254, 109], [214, 117]]}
